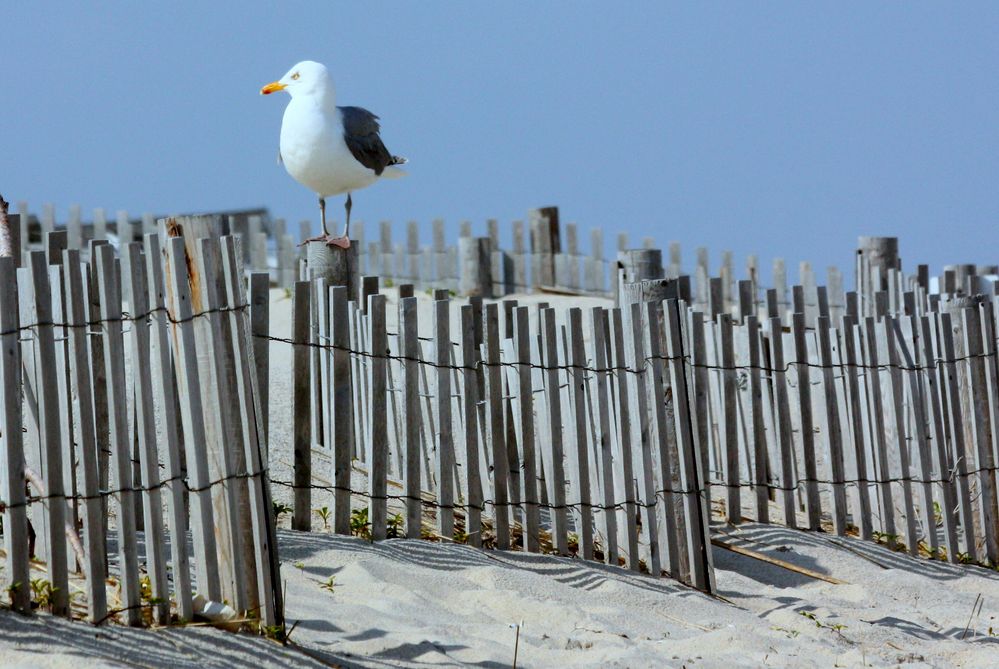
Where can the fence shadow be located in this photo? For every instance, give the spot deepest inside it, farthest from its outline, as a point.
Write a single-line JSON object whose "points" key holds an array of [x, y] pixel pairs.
{"points": [[762, 537], [573, 572], [190, 647]]}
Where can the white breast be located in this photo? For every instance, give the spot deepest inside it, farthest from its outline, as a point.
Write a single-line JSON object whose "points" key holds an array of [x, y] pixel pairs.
{"points": [[314, 152]]}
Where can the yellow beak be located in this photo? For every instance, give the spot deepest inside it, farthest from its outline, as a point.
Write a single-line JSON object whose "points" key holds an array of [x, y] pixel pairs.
{"points": [[272, 87]]}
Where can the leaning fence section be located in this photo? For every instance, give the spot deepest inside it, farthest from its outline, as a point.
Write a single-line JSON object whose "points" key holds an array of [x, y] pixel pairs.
{"points": [[134, 452]]}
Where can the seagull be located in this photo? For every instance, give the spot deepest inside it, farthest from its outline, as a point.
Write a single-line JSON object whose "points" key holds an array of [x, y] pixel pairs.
{"points": [[328, 149]]}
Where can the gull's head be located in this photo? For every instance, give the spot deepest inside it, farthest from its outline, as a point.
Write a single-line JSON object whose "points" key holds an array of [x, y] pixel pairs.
{"points": [[302, 79]]}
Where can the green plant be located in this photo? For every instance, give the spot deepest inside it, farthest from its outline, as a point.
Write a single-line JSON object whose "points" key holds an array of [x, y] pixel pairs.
{"points": [[328, 584], [299, 565], [280, 508], [42, 591], [389, 283], [360, 526], [393, 526], [325, 514]]}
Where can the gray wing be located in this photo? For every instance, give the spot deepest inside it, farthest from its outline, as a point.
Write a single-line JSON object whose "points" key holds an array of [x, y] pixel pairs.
{"points": [[360, 132]]}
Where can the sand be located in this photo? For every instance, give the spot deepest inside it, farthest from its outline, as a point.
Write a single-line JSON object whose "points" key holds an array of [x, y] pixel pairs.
{"points": [[404, 603]]}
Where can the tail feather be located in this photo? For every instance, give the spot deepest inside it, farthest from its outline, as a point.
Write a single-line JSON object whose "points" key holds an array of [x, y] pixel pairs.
{"points": [[392, 171], [398, 160]]}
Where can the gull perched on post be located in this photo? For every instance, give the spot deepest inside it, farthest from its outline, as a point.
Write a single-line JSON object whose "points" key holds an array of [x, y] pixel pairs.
{"points": [[328, 149]]}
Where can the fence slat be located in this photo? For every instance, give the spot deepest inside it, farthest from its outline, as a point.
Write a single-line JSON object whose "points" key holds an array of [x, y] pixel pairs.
{"points": [[470, 401], [783, 415], [264, 544], [883, 472], [192, 419], [603, 428], [165, 393], [975, 350], [834, 435], [635, 355], [554, 443], [378, 427], [260, 287], [15, 514], [342, 408], [582, 497], [301, 518], [863, 512], [934, 382], [133, 267], [698, 514], [730, 387], [678, 556], [411, 413], [804, 372], [624, 455], [445, 443], [761, 462], [530, 470], [114, 357], [223, 430], [497, 426]]}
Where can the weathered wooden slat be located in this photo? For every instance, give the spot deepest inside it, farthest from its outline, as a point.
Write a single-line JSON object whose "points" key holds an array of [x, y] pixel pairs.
{"points": [[889, 352], [783, 417], [411, 413], [114, 357], [470, 401], [676, 541], [761, 463], [602, 437], [165, 394], [529, 485], [981, 416], [186, 363], [862, 517], [730, 388], [582, 497], [804, 373], [698, 514], [134, 271], [934, 382], [342, 420], [17, 575], [624, 455], [834, 435], [883, 471], [222, 428], [643, 444], [378, 427], [905, 330], [496, 426], [260, 288], [959, 446], [302, 406], [445, 443]]}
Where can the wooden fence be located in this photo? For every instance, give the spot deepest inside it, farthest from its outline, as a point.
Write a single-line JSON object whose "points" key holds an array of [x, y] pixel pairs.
{"points": [[510, 426], [613, 434], [139, 434]]}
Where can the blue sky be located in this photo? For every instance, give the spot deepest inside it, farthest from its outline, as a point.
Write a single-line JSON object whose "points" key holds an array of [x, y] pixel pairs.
{"points": [[778, 128]]}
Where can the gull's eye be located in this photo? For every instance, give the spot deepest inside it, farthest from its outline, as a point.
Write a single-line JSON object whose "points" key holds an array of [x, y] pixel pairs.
{"points": [[295, 76]]}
